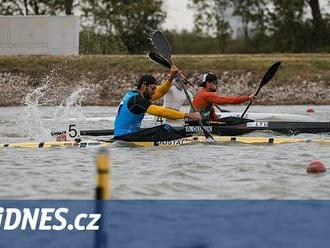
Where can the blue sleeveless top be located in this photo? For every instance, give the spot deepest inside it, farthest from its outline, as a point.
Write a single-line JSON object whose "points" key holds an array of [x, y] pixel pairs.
{"points": [[127, 122]]}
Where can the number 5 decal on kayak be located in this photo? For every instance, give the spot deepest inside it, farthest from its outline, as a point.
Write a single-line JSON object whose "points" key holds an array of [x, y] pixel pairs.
{"points": [[73, 132]]}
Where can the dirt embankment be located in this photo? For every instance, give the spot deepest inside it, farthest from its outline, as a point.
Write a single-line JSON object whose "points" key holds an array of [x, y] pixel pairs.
{"points": [[302, 79]]}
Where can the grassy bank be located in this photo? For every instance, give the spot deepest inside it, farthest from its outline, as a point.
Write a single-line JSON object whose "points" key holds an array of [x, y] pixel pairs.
{"points": [[303, 65], [297, 70]]}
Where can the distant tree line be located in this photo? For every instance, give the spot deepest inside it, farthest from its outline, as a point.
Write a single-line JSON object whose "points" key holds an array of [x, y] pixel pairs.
{"points": [[267, 25], [115, 26]]}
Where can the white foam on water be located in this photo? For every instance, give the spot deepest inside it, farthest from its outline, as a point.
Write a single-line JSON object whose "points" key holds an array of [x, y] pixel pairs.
{"points": [[38, 121], [36, 126], [32, 116], [72, 107]]}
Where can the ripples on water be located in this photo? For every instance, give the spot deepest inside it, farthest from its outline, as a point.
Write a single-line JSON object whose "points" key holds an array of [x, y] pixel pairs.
{"points": [[187, 172]]}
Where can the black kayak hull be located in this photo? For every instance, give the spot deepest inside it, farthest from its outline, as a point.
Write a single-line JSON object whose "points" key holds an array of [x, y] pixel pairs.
{"points": [[288, 128]]}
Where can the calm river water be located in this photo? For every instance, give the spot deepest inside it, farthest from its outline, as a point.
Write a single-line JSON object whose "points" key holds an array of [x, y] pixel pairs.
{"points": [[186, 172]]}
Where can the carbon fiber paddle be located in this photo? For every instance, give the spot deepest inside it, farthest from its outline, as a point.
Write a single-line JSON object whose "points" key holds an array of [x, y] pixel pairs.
{"points": [[265, 79], [162, 56]]}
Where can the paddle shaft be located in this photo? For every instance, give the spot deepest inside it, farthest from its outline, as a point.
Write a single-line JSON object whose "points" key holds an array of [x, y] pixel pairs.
{"points": [[103, 132], [265, 79], [246, 109], [164, 59], [248, 106]]}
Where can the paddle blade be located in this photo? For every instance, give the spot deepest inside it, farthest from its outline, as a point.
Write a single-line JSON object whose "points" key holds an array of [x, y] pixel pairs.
{"points": [[270, 73], [161, 44], [159, 59]]}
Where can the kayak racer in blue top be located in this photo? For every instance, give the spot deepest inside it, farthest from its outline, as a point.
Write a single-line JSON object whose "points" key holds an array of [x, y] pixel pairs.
{"points": [[137, 102]]}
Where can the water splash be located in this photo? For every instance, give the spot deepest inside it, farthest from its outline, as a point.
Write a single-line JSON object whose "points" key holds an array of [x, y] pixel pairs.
{"points": [[32, 120], [72, 106], [39, 120]]}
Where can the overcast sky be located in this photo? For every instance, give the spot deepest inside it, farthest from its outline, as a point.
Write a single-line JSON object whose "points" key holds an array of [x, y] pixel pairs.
{"points": [[180, 17]]}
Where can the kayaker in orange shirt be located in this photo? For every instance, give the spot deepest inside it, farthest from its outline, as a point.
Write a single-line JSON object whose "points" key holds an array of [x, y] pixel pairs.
{"points": [[208, 96]]}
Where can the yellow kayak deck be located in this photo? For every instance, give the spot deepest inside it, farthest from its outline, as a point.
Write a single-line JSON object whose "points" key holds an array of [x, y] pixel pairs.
{"points": [[223, 140], [171, 143], [56, 144]]}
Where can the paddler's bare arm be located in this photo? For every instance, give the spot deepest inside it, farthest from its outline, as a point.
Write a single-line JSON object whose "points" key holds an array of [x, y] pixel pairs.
{"points": [[172, 114], [165, 86]]}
